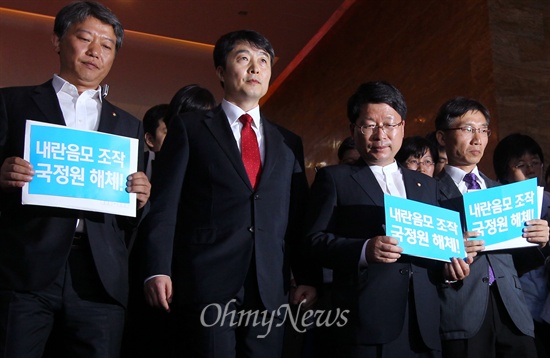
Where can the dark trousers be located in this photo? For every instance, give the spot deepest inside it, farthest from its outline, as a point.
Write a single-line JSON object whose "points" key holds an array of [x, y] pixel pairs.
{"points": [[409, 343], [73, 317], [149, 332], [497, 337], [240, 327]]}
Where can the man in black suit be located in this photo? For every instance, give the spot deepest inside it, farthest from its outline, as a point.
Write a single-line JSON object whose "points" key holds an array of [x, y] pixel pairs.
{"points": [[484, 315], [225, 231], [391, 298], [63, 267]]}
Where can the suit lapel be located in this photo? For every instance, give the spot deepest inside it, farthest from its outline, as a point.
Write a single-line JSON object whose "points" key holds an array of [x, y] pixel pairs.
{"points": [[413, 188], [489, 183], [367, 181], [273, 143], [45, 98], [217, 123], [449, 191], [109, 118]]}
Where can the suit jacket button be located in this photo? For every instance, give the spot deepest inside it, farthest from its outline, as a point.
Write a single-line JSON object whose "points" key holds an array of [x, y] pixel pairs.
{"points": [[256, 197], [251, 229], [404, 271], [485, 279]]}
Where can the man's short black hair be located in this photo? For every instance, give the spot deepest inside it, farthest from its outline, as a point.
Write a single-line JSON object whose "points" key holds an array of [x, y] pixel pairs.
{"points": [[153, 116], [79, 11], [227, 42], [373, 93]]}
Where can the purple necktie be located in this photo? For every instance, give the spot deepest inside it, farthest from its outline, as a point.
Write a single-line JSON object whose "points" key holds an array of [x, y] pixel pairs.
{"points": [[471, 183]]}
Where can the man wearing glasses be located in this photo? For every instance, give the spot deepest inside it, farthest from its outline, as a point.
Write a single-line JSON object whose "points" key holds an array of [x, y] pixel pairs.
{"points": [[484, 315], [392, 298]]}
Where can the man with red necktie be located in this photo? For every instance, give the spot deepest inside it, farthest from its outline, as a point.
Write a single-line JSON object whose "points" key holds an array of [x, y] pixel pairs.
{"points": [[225, 225]]}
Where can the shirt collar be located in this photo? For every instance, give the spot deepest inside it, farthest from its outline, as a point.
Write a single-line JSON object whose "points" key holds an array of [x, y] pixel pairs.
{"points": [[61, 85], [388, 169], [233, 112], [458, 174]]}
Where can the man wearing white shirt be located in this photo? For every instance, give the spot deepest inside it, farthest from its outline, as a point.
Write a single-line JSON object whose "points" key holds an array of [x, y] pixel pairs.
{"points": [[485, 315], [225, 225], [391, 298], [53, 271]]}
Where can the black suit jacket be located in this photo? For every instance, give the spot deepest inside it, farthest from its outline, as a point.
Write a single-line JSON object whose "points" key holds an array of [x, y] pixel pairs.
{"points": [[35, 240], [347, 208], [206, 215]]}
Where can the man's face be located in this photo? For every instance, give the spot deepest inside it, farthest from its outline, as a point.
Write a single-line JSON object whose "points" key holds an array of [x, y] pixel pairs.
{"points": [[464, 150], [86, 53], [155, 142], [246, 75], [527, 166], [378, 146], [441, 162], [424, 164]]}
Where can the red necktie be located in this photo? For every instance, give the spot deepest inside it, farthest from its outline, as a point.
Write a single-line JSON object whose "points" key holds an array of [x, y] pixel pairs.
{"points": [[250, 152]]}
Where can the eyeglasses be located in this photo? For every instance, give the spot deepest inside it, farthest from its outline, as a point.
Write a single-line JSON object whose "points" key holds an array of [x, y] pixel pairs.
{"points": [[368, 129], [416, 163], [524, 165], [484, 131]]}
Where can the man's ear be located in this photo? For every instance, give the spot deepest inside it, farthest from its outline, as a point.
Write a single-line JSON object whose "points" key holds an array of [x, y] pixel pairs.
{"points": [[220, 71], [55, 42], [148, 140], [439, 135]]}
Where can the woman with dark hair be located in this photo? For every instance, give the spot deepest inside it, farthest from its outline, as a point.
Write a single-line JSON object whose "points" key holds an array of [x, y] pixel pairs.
{"points": [[416, 153], [519, 157], [190, 98]]}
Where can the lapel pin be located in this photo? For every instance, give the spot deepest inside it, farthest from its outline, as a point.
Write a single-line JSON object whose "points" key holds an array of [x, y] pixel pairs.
{"points": [[114, 114], [418, 184]]}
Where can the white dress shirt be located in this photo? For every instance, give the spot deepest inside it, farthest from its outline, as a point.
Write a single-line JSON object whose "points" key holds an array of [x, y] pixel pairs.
{"points": [[390, 179], [233, 113], [458, 177], [80, 111]]}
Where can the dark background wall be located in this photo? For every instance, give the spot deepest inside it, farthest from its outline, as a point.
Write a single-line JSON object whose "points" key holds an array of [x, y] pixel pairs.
{"points": [[520, 39], [432, 50]]}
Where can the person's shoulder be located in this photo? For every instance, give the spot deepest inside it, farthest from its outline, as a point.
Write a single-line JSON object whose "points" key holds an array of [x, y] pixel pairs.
{"points": [[23, 90], [196, 118], [420, 177], [20, 96], [119, 111], [443, 176], [337, 170], [489, 183], [284, 131]]}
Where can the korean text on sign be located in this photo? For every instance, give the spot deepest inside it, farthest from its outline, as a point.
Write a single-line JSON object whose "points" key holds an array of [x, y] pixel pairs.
{"points": [[424, 230], [499, 213], [79, 169]]}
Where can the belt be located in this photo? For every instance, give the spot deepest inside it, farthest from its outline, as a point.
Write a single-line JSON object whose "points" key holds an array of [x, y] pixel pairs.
{"points": [[80, 240]]}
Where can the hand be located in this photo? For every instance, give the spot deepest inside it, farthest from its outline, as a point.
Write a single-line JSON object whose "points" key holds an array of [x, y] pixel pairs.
{"points": [[305, 294], [139, 183], [536, 231], [14, 173], [472, 247], [382, 249], [158, 292], [457, 269]]}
